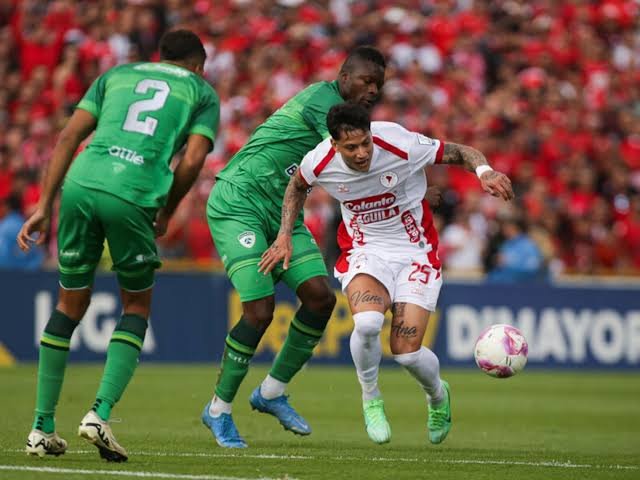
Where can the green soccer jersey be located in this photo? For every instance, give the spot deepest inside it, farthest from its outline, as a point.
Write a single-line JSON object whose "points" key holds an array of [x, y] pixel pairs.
{"points": [[276, 148], [144, 112]]}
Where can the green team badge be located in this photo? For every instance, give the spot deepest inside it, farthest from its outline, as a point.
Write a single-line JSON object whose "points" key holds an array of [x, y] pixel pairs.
{"points": [[247, 239]]}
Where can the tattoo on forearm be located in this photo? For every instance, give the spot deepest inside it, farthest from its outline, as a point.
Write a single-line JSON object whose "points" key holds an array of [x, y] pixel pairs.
{"points": [[292, 203], [400, 330], [365, 297], [463, 155]]}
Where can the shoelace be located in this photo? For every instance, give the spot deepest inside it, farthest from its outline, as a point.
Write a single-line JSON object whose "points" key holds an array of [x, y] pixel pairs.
{"points": [[374, 413], [230, 427], [438, 416]]}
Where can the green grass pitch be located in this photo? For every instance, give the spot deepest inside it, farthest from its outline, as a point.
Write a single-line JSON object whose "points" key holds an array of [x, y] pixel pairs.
{"points": [[537, 425]]}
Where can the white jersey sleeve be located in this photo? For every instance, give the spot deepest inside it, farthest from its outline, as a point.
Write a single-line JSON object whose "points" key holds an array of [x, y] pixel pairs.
{"points": [[420, 149], [315, 161], [424, 151]]}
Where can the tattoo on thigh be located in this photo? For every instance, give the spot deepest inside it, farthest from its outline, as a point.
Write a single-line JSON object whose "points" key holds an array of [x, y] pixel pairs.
{"points": [[398, 309], [365, 297], [399, 330]]}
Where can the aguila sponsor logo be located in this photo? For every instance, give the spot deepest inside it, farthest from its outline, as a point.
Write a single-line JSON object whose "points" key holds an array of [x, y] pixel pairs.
{"points": [[378, 215], [366, 204]]}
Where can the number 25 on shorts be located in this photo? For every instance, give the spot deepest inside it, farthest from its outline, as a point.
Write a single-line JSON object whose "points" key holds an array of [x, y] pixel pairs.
{"points": [[420, 273]]}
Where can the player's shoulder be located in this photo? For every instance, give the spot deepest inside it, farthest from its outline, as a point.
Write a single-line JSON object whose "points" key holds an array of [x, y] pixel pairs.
{"points": [[320, 86], [322, 91], [389, 129], [117, 70], [206, 89], [391, 133], [320, 151], [395, 134]]}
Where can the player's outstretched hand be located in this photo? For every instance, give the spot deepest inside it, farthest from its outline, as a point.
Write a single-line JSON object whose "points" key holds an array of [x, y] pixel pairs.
{"points": [[497, 184], [38, 222], [280, 250]]}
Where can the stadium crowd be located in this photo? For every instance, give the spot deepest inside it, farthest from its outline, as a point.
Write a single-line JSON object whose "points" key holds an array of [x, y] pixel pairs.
{"points": [[548, 90]]}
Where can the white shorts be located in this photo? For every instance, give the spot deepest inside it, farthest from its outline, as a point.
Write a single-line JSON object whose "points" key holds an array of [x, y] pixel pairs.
{"points": [[408, 279]]}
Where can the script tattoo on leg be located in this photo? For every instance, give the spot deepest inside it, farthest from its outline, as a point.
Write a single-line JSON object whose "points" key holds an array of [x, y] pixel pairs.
{"points": [[365, 297], [399, 330]]}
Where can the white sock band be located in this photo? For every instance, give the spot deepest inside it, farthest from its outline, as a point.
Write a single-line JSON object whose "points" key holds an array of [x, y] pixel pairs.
{"points": [[218, 407], [271, 388]]}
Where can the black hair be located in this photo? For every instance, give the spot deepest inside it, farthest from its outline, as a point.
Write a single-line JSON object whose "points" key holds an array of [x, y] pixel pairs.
{"points": [[181, 46], [347, 117], [364, 53]]}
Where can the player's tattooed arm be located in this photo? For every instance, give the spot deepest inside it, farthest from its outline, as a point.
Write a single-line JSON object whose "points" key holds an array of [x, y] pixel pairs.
{"points": [[294, 197], [493, 182], [463, 155], [282, 248]]}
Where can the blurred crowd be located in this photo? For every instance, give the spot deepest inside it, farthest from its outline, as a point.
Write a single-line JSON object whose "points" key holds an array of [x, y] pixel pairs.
{"points": [[548, 90]]}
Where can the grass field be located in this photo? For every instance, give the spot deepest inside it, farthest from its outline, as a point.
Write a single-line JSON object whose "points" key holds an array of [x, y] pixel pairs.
{"points": [[538, 425]]}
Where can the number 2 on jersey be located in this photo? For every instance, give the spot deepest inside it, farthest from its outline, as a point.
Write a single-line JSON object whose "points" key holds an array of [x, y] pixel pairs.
{"points": [[149, 124]]}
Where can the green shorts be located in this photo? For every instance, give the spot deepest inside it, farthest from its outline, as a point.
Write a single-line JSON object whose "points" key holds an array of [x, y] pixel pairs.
{"points": [[242, 229], [89, 216]]}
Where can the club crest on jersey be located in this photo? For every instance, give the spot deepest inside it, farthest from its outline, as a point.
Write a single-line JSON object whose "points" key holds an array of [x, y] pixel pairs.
{"points": [[247, 239], [388, 179], [291, 169], [342, 188]]}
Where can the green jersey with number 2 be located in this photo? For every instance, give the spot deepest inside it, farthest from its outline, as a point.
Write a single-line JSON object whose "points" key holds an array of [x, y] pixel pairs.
{"points": [[144, 112]]}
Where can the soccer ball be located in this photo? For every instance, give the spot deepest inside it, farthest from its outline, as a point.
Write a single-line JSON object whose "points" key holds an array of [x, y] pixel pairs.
{"points": [[501, 351]]}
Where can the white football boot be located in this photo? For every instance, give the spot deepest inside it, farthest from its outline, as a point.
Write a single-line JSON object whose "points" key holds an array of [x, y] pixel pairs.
{"points": [[41, 444], [98, 432]]}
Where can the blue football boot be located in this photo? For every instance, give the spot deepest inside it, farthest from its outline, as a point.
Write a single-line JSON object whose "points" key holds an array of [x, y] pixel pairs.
{"points": [[223, 429], [279, 407]]}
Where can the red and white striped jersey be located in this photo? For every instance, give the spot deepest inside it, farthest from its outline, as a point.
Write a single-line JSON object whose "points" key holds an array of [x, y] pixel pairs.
{"points": [[382, 209]]}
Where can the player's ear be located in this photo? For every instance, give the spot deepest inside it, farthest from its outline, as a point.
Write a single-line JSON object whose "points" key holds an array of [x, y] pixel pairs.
{"points": [[334, 144]]}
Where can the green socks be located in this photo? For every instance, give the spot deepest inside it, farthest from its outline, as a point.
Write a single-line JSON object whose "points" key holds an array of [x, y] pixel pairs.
{"points": [[305, 332], [240, 345], [122, 360], [54, 350]]}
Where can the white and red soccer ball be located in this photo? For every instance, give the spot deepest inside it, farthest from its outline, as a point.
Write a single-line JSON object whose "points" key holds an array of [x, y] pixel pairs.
{"points": [[501, 351]]}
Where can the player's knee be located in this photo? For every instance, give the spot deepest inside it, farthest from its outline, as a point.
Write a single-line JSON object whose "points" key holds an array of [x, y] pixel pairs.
{"points": [[259, 313], [322, 303], [368, 324], [407, 360], [74, 303]]}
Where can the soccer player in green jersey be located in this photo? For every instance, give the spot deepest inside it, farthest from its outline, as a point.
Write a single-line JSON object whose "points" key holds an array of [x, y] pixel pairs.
{"points": [[244, 217], [120, 187]]}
